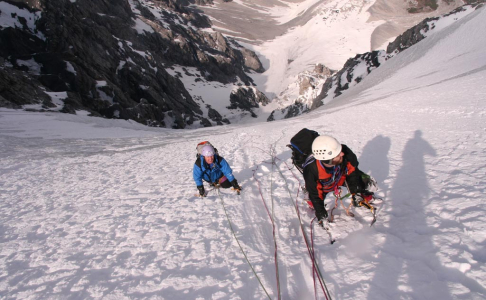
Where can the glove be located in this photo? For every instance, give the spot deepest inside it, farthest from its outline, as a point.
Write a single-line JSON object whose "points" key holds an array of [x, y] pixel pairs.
{"points": [[322, 218], [235, 185], [200, 188], [355, 201]]}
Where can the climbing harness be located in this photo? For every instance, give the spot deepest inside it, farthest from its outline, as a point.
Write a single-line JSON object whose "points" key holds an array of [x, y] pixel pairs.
{"points": [[337, 194]]}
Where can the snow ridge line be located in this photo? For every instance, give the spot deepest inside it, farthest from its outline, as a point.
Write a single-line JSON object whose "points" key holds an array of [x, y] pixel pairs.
{"points": [[241, 248], [271, 216]]}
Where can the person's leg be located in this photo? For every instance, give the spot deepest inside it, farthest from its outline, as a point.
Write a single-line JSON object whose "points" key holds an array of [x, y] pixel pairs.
{"points": [[225, 184]]}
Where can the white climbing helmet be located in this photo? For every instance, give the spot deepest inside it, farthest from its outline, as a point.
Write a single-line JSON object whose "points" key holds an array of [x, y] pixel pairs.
{"points": [[325, 147], [207, 150]]}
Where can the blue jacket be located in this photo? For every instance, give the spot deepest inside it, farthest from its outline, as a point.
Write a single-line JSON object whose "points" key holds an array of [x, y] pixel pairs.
{"points": [[211, 173]]}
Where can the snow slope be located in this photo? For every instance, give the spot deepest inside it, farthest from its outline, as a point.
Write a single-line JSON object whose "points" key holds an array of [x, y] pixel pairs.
{"points": [[98, 209]]}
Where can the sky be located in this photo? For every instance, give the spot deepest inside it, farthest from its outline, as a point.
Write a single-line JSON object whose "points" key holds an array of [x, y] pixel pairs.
{"points": [[105, 209]]}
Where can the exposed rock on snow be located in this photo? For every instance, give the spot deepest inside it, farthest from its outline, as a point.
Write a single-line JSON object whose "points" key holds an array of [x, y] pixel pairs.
{"points": [[307, 87], [246, 98]]}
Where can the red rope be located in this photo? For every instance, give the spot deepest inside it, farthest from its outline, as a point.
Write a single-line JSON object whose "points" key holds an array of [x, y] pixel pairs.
{"points": [[311, 253], [313, 268], [310, 249]]}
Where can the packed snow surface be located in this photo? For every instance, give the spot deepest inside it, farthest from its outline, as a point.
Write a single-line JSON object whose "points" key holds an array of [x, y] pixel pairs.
{"points": [[99, 209]]}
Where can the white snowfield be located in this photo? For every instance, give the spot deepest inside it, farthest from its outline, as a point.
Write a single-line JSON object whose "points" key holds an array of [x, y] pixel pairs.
{"points": [[100, 209]]}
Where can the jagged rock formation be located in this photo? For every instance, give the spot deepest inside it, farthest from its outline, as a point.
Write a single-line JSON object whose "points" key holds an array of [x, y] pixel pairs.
{"points": [[308, 84], [112, 58], [247, 98], [353, 71]]}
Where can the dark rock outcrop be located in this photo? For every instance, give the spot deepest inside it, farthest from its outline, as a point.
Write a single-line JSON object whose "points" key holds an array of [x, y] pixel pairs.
{"points": [[247, 98], [114, 58], [347, 76]]}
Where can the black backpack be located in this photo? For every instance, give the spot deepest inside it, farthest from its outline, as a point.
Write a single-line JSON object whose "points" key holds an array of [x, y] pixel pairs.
{"points": [[301, 146]]}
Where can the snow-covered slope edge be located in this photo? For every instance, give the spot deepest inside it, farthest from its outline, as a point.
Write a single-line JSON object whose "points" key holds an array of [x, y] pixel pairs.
{"points": [[357, 68]]}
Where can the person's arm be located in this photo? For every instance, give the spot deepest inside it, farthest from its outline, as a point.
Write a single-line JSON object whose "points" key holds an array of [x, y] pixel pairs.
{"points": [[353, 176], [311, 177], [197, 174], [349, 156], [226, 169]]}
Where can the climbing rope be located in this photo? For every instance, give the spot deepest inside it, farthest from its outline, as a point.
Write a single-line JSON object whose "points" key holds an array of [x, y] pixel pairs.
{"points": [[272, 218], [313, 253], [316, 269], [241, 248], [310, 249]]}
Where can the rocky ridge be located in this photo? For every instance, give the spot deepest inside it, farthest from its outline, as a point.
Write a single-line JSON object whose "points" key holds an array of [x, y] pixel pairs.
{"points": [[307, 87], [115, 59]]}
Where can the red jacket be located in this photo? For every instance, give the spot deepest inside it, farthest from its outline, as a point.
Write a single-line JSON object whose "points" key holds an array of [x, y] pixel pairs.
{"points": [[320, 180]]}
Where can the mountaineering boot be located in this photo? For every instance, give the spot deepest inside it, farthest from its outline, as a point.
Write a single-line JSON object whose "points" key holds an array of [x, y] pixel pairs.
{"points": [[357, 199], [367, 196]]}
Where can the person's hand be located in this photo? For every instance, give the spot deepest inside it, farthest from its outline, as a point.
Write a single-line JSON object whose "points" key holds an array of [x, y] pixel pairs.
{"points": [[200, 188], [321, 219], [235, 185]]}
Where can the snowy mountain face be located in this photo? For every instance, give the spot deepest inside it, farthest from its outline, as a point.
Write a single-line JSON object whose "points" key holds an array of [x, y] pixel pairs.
{"points": [[357, 68], [92, 208], [177, 64]]}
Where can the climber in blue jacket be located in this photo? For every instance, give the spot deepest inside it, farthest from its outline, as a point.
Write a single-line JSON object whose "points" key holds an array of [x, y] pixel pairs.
{"points": [[214, 169]]}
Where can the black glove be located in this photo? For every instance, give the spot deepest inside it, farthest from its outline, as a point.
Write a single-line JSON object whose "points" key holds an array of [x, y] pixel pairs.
{"points": [[355, 201], [235, 185], [322, 218], [200, 188]]}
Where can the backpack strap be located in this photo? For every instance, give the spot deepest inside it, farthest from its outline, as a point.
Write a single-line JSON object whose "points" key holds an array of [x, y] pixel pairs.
{"points": [[310, 159], [294, 146], [200, 161]]}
